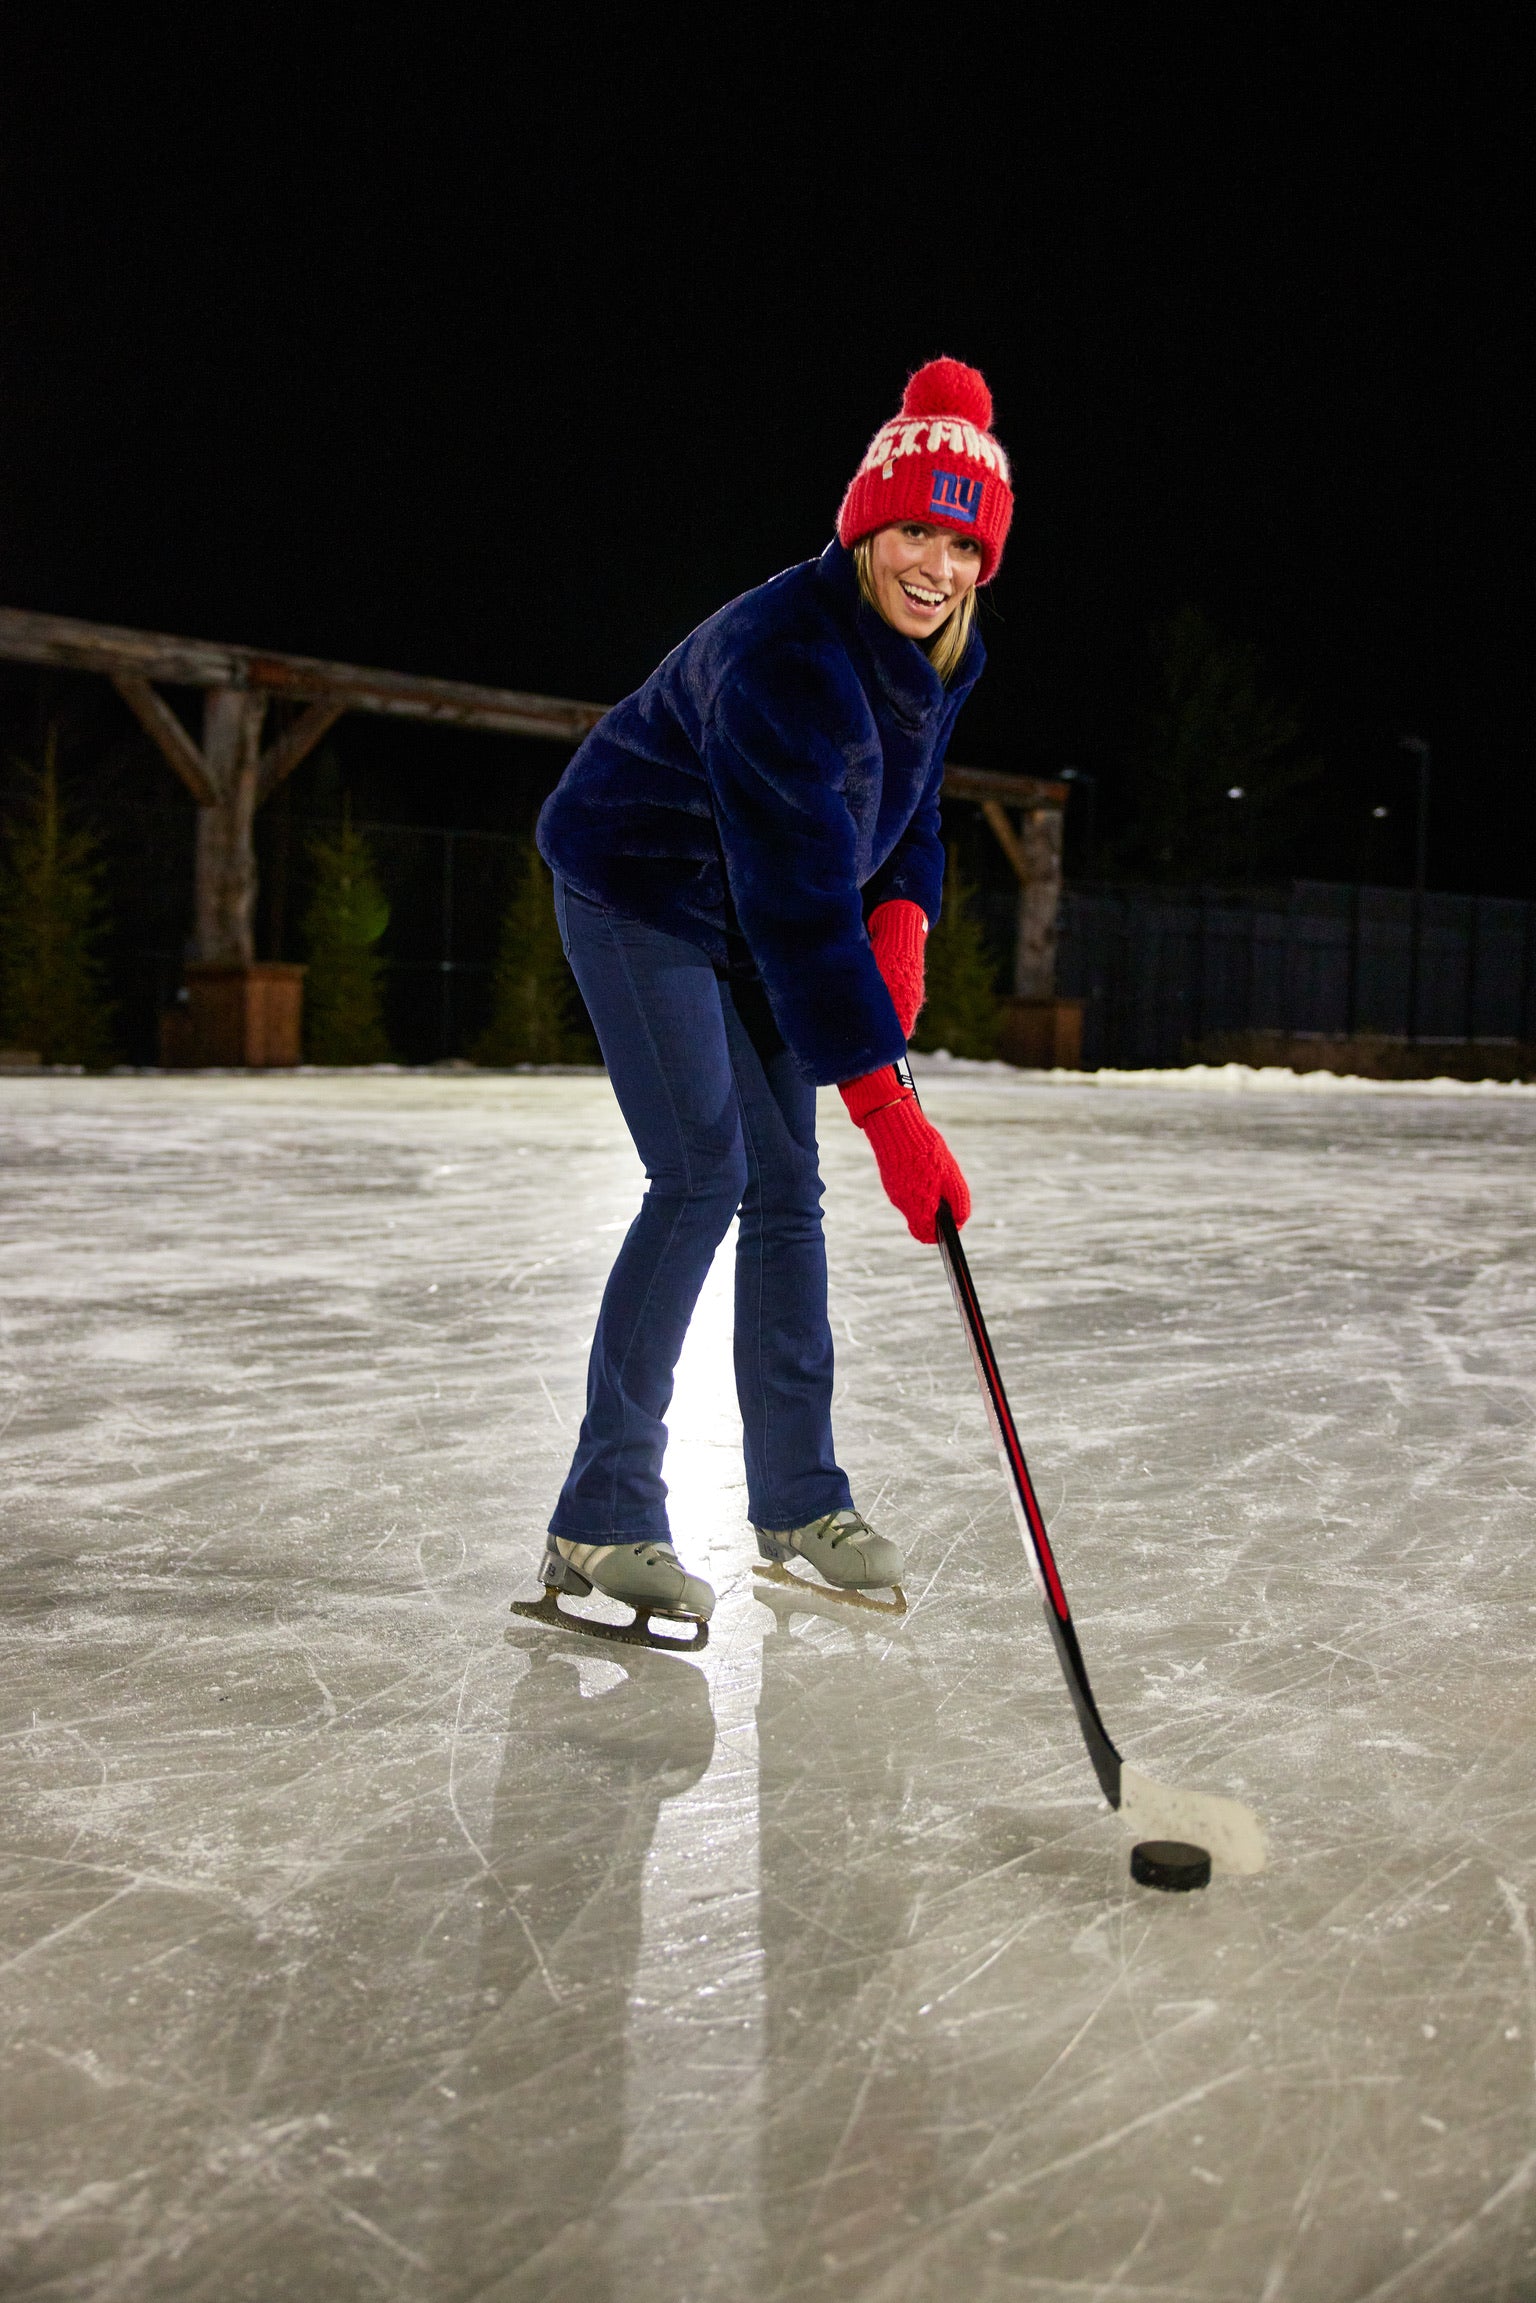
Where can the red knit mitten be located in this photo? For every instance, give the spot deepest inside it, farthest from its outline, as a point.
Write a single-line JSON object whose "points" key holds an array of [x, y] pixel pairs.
{"points": [[916, 1165], [898, 935]]}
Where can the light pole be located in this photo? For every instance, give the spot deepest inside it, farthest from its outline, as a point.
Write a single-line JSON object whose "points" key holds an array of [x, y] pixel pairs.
{"points": [[1421, 752], [1250, 830]]}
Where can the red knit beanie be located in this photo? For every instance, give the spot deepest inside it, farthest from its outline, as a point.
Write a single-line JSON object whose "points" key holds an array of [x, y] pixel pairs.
{"points": [[936, 462]]}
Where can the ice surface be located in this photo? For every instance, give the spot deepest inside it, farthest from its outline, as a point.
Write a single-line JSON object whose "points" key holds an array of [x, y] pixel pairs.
{"points": [[360, 1940]]}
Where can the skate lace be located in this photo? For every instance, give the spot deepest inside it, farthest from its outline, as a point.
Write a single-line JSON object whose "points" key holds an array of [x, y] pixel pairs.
{"points": [[842, 1524], [657, 1555]]}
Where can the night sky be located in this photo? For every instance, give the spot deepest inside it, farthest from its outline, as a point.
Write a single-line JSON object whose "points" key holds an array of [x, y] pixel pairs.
{"points": [[509, 354]]}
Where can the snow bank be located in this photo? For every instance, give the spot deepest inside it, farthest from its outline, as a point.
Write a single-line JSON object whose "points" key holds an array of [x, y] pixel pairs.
{"points": [[1226, 1079]]}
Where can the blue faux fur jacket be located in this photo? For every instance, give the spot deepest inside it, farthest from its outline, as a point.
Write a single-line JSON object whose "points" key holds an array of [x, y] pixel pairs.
{"points": [[774, 780]]}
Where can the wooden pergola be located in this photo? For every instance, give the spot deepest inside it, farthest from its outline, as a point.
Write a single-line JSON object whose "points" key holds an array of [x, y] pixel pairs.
{"points": [[246, 1011]]}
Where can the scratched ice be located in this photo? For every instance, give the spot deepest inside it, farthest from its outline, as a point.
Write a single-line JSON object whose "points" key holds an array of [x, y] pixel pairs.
{"points": [[360, 1940]]}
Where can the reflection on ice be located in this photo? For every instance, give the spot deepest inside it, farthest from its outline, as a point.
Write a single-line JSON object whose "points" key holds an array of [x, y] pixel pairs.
{"points": [[357, 1944]]}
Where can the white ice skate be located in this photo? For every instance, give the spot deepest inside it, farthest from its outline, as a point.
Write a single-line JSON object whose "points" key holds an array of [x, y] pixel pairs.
{"points": [[648, 1577], [847, 1554]]}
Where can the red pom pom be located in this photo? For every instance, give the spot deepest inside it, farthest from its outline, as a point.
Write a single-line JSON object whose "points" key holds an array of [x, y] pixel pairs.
{"points": [[949, 388]]}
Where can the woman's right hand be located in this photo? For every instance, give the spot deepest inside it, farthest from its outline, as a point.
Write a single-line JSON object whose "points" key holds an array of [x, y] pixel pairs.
{"points": [[916, 1165]]}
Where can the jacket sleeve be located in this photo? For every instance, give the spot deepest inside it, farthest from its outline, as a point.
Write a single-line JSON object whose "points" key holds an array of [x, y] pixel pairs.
{"points": [[914, 869], [786, 734]]}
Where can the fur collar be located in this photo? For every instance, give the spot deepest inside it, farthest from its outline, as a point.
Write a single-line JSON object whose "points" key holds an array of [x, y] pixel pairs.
{"points": [[899, 667]]}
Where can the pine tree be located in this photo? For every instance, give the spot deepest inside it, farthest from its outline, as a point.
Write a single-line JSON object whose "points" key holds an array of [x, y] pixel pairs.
{"points": [[961, 1011], [347, 914], [51, 923], [1221, 789], [536, 1012]]}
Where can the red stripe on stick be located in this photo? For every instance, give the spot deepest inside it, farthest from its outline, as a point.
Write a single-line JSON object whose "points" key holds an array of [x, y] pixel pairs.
{"points": [[1021, 1476]]}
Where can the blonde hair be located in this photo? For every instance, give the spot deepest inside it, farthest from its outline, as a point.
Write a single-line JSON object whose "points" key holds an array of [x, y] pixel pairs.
{"points": [[947, 647]]}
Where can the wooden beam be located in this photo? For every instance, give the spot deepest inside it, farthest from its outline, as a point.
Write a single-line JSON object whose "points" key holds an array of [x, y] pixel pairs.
{"points": [[80, 647], [113, 648], [166, 732], [405, 696], [28, 638], [1012, 791], [1007, 838], [280, 759]]}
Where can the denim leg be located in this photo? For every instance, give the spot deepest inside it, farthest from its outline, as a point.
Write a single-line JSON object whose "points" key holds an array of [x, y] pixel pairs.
{"points": [[783, 1340], [656, 1006]]}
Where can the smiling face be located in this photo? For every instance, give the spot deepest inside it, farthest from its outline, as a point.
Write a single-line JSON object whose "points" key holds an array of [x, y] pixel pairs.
{"points": [[921, 574]]}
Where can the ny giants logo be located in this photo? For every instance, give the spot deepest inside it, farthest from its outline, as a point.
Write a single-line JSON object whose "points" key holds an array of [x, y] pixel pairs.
{"points": [[955, 497]]}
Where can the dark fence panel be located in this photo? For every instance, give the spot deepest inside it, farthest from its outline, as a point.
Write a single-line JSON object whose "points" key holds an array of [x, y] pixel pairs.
{"points": [[1383, 939], [1500, 965], [447, 893], [1161, 969]]}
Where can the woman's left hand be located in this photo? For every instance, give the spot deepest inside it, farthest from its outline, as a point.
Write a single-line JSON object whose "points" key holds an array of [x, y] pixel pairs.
{"points": [[898, 935], [916, 1165]]}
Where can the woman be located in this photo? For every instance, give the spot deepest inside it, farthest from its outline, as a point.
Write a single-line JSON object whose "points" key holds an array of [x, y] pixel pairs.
{"points": [[747, 860]]}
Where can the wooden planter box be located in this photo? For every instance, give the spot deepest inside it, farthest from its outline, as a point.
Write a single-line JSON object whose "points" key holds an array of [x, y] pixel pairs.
{"points": [[244, 1018], [1042, 1035]]}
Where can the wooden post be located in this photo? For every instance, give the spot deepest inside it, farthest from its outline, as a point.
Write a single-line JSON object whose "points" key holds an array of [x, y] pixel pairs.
{"points": [[240, 1010], [1038, 1029], [229, 779], [1033, 849], [225, 886], [1034, 951], [236, 1011]]}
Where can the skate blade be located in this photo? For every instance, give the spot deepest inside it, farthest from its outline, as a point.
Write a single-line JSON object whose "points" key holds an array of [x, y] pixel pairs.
{"points": [[774, 1571], [636, 1633], [1231, 1833]]}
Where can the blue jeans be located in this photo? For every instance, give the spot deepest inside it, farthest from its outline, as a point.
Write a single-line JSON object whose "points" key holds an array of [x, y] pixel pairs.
{"points": [[724, 1121]]}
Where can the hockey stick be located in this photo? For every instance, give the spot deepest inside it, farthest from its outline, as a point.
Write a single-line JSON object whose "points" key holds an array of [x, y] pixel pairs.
{"points": [[1230, 1832]]}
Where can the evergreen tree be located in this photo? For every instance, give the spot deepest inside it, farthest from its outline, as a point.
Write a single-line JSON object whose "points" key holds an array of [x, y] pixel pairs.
{"points": [[1220, 782], [536, 1011], [51, 923], [961, 1011], [347, 914]]}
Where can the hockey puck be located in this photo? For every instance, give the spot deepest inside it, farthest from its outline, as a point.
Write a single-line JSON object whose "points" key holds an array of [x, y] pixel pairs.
{"points": [[1170, 1864]]}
